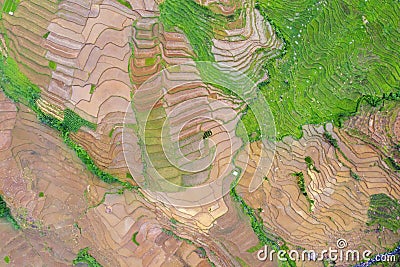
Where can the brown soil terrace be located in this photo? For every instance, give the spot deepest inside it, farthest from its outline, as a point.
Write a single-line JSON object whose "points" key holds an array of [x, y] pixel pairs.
{"points": [[341, 202], [69, 216]]}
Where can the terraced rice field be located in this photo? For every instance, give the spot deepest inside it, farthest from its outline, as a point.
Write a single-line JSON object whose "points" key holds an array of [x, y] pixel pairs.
{"points": [[330, 58], [66, 218], [336, 52], [329, 71], [286, 211], [25, 30]]}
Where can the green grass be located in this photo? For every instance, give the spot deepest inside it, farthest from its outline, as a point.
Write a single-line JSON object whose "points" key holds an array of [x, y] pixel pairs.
{"points": [[6, 213], [171, 233], [7, 259], [384, 211], [150, 61], [52, 65], [46, 35], [173, 221], [41, 194], [92, 88], [84, 257], [255, 248], [251, 126], [16, 85], [10, 5]]}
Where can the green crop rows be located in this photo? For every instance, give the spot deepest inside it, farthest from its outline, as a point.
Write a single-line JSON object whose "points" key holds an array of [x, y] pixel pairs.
{"points": [[16, 85], [73, 122], [333, 57], [197, 22], [384, 211], [10, 5], [336, 54]]}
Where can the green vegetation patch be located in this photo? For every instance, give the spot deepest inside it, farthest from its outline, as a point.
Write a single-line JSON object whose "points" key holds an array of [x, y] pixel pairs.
{"points": [[251, 126], [392, 164], [16, 85], [255, 248], [92, 88], [134, 238], [150, 61], [331, 140], [6, 213], [73, 122], [202, 252], [171, 233], [310, 164], [198, 23], [173, 221], [384, 211], [302, 186], [84, 257], [354, 175], [336, 55], [91, 166], [7, 259], [10, 5], [125, 3], [46, 35], [336, 52], [52, 65]]}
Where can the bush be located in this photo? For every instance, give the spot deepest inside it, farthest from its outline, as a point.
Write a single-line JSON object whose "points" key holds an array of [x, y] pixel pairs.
{"points": [[52, 65], [84, 257], [6, 213]]}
